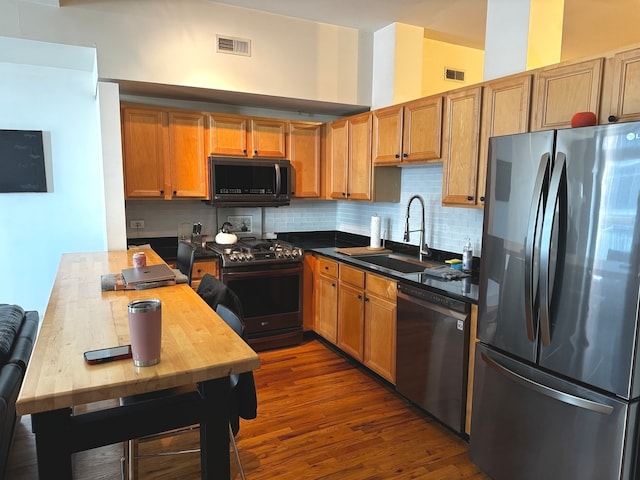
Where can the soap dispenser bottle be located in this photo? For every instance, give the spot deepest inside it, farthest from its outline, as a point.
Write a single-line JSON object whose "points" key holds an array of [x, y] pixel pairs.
{"points": [[467, 256]]}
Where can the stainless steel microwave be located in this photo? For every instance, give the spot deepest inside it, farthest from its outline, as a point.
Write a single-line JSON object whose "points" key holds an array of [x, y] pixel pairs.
{"points": [[246, 182]]}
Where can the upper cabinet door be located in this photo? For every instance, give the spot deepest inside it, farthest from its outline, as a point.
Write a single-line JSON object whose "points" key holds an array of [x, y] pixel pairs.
{"points": [[305, 154], [422, 139], [506, 108], [268, 138], [188, 154], [625, 94], [461, 138], [560, 92], [338, 159], [387, 135], [144, 152], [359, 176], [228, 135]]}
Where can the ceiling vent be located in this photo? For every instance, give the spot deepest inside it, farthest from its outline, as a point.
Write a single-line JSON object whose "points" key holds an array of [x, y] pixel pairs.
{"points": [[451, 74], [234, 46]]}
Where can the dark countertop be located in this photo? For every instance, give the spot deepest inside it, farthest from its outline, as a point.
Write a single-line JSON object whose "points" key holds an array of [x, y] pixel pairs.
{"points": [[167, 247], [325, 243]]}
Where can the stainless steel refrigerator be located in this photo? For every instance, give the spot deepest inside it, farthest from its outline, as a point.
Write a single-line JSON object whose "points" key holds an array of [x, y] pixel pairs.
{"points": [[556, 387]]}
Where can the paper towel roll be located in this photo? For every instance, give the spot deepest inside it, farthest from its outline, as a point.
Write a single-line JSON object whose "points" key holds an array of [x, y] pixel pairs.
{"points": [[375, 232]]}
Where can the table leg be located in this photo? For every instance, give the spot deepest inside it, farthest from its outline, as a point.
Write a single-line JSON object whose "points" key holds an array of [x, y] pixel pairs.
{"points": [[214, 430], [52, 430]]}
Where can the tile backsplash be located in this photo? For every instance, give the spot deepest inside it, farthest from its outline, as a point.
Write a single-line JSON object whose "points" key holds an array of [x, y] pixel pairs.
{"points": [[446, 228]]}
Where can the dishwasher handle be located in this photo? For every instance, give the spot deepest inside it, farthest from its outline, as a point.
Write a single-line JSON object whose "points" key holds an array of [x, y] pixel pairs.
{"points": [[436, 307], [431, 299]]}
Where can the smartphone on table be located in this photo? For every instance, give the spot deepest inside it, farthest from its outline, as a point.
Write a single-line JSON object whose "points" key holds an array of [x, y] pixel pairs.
{"points": [[110, 354]]}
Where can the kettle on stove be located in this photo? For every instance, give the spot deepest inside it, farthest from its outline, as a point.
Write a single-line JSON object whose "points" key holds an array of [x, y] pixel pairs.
{"points": [[225, 237]]}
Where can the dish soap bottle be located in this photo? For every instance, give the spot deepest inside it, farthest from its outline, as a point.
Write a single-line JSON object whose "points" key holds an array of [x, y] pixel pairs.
{"points": [[467, 256]]}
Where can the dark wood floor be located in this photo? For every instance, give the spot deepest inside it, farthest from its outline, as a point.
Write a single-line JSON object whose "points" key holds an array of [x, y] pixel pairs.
{"points": [[319, 417]]}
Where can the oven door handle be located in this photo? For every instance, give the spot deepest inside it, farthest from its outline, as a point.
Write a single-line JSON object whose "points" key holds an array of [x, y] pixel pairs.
{"points": [[263, 270]]}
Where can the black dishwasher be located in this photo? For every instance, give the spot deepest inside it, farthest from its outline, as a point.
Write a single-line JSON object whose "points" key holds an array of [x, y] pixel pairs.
{"points": [[432, 353]]}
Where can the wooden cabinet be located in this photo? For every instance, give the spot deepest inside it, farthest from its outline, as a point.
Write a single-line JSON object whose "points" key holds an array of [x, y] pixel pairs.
{"points": [[461, 145], [305, 141], [268, 137], [240, 136], [408, 133], [202, 267], [351, 311], [562, 91], [309, 275], [367, 319], [624, 103], [164, 153], [506, 108], [228, 135], [326, 299], [350, 171], [380, 326]]}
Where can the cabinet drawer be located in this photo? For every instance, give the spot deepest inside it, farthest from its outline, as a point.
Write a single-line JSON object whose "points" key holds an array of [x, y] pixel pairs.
{"points": [[352, 276], [328, 267], [200, 267], [382, 287]]}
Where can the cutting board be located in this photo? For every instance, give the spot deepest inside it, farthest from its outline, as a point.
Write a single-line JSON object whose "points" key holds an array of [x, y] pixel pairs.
{"points": [[362, 251]]}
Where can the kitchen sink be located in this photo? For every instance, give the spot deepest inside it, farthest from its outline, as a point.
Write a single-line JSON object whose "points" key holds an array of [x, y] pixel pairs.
{"points": [[398, 263]]}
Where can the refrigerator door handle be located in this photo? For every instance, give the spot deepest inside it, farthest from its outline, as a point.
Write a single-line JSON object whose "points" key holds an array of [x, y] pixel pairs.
{"points": [[547, 391], [556, 203], [535, 220]]}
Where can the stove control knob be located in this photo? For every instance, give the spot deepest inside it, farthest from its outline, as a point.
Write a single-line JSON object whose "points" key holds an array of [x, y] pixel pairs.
{"points": [[297, 252], [233, 257], [250, 256]]}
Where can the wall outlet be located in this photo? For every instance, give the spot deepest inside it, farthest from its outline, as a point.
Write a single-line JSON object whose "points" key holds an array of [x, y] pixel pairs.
{"points": [[137, 223]]}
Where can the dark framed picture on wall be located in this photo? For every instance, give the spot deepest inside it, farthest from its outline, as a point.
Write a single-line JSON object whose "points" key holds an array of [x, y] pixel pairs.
{"points": [[22, 161]]}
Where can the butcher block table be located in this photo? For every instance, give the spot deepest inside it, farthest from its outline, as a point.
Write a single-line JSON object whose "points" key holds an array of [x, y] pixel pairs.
{"points": [[197, 348]]}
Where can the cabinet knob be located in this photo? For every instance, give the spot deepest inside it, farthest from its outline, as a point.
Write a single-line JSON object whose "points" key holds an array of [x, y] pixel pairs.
{"points": [[359, 297], [397, 156], [255, 152], [344, 194], [244, 151], [161, 192], [482, 199], [612, 119], [175, 192], [405, 155], [333, 284], [469, 197]]}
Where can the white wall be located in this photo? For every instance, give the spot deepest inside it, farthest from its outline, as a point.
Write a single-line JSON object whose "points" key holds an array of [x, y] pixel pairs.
{"points": [[38, 227], [447, 228], [173, 43]]}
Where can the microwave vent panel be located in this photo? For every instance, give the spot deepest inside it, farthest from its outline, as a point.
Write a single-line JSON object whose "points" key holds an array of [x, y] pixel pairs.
{"points": [[232, 45], [451, 74]]}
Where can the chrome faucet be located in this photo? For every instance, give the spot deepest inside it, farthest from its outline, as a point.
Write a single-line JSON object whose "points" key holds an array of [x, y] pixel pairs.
{"points": [[423, 248]]}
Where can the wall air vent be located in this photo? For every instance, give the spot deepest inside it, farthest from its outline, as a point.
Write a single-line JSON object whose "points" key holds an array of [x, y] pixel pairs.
{"points": [[451, 74], [234, 46]]}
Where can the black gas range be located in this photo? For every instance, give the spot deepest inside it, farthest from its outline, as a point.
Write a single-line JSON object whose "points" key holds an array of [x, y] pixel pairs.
{"points": [[266, 275], [252, 251]]}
